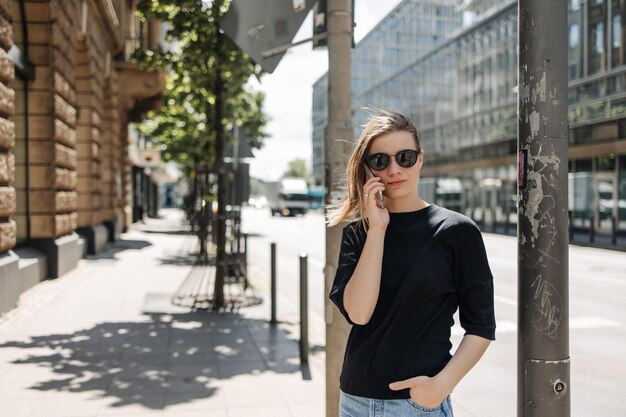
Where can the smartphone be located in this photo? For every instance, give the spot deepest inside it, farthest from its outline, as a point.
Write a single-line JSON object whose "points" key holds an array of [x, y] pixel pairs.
{"points": [[379, 194]]}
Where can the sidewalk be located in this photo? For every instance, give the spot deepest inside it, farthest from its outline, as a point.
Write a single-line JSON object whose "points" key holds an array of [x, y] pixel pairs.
{"points": [[104, 340]]}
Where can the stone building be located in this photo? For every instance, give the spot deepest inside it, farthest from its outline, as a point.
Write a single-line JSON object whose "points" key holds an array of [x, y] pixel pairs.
{"points": [[67, 95]]}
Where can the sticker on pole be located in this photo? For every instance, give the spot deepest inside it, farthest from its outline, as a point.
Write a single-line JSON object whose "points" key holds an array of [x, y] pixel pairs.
{"points": [[522, 156]]}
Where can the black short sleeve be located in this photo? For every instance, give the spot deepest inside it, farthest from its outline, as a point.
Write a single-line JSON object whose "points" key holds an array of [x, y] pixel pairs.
{"points": [[351, 247], [433, 265], [474, 283]]}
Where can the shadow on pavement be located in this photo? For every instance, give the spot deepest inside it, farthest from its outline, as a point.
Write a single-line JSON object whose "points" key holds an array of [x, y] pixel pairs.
{"points": [[186, 255], [179, 259], [166, 232], [169, 359], [254, 234], [113, 248]]}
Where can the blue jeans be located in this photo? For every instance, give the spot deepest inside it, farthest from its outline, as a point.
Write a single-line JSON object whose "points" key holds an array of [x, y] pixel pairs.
{"points": [[353, 406]]}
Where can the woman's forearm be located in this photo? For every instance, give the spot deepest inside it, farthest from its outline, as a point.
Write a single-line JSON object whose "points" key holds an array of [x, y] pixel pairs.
{"points": [[361, 293], [466, 356]]}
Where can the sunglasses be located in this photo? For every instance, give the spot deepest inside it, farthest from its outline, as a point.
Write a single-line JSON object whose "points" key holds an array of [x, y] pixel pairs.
{"points": [[379, 161]]}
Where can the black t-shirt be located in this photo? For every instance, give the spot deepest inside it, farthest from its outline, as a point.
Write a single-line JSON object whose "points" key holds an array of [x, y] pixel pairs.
{"points": [[409, 332]]}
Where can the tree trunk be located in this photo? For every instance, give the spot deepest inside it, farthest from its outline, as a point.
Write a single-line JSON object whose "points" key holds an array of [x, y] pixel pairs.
{"points": [[220, 270]]}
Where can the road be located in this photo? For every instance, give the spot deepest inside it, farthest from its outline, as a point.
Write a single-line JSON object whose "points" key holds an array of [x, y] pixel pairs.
{"points": [[293, 236], [597, 315]]}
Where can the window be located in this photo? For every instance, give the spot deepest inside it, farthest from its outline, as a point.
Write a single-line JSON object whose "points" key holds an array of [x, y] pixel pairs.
{"points": [[573, 71], [617, 31], [574, 35], [598, 41]]}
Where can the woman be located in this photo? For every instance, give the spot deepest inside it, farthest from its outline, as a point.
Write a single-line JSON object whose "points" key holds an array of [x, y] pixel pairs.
{"points": [[403, 271]]}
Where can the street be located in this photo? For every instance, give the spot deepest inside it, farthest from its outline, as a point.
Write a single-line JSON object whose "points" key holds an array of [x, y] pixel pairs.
{"points": [[293, 236], [597, 314]]}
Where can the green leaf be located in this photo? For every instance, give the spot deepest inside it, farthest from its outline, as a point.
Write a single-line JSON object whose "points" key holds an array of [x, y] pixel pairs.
{"points": [[186, 122]]}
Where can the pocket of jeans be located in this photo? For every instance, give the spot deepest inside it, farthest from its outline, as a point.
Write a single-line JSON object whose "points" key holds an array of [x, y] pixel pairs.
{"points": [[422, 408]]}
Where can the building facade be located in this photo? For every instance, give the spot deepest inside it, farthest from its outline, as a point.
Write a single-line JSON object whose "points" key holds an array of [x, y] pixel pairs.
{"points": [[463, 97], [410, 30], [67, 94]]}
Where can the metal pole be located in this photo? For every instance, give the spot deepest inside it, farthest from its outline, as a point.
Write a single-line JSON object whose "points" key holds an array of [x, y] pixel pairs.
{"points": [[273, 282], [304, 308], [543, 363], [337, 150]]}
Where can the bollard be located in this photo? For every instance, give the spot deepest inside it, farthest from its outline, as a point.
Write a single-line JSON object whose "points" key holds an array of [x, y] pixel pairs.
{"points": [[592, 230], [273, 282], [614, 230], [304, 308], [245, 254], [507, 223]]}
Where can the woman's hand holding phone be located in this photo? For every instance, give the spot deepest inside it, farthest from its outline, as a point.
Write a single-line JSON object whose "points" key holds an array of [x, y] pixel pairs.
{"points": [[376, 213]]}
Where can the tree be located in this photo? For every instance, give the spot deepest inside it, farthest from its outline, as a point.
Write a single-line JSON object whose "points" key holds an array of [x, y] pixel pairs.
{"points": [[186, 123], [207, 97], [297, 168]]}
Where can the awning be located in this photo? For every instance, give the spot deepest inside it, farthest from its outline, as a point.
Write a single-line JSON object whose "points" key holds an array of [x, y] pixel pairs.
{"points": [[144, 158]]}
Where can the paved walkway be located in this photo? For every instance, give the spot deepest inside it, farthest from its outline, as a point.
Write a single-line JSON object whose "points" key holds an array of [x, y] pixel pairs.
{"points": [[104, 340]]}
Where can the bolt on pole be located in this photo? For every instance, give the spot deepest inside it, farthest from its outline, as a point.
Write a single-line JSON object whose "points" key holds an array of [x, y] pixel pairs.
{"points": [[543, 365]]}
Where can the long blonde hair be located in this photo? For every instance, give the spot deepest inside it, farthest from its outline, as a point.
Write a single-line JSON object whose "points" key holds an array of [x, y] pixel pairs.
{"points": [[351, 208]]}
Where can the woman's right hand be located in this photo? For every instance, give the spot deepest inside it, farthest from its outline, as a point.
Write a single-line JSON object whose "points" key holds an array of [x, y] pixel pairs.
{"points": [[378, 218]]}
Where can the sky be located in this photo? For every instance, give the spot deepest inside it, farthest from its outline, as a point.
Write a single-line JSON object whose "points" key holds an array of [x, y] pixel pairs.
{"points": [[289, 92]]}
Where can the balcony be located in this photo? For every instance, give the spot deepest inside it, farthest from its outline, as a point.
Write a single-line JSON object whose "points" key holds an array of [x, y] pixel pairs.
{"points": [[140, 90]]}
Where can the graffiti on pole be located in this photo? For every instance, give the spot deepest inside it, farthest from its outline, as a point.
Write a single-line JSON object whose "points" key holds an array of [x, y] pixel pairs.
{"points": [[546, 308]]}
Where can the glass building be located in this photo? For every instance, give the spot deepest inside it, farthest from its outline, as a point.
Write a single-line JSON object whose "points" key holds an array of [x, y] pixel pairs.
{"points": [[462, 97], [410, 30]]}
